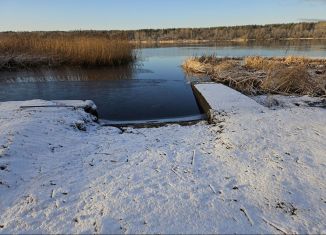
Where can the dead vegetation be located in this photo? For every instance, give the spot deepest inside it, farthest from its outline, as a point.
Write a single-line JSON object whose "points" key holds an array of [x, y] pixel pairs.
{"points": [[289, 80], [261, 75], [24, 50], [265, 63]]}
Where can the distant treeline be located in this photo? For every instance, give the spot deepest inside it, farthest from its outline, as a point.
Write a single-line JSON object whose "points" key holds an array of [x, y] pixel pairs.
{"points": [[243, 33], [250, 32]]}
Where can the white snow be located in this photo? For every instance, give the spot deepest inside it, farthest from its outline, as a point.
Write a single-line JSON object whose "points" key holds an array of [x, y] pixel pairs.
{"points": [[252, 172]]}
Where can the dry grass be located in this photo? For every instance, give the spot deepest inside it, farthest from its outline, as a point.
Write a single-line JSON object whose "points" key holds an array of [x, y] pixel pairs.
{"points": [[259, 75], [208, 64], [259, 63], [290, 80], [225, 65], [266, 63], [35, 49], [193, 65]]}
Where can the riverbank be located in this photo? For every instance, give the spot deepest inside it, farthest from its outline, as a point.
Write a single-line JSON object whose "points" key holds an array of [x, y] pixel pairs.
{"points": [[251, 171], [256, 75]]}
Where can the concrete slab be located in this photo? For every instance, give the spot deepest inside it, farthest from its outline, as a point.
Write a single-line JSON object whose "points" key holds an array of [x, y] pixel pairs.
{"points": [[224, 99]]}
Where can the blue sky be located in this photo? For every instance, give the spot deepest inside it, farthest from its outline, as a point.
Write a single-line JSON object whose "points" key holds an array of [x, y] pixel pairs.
{"points": [[29, 15]]}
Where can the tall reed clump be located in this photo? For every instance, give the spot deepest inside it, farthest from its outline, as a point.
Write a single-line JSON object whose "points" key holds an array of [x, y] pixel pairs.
{"points": [[34, 49]]}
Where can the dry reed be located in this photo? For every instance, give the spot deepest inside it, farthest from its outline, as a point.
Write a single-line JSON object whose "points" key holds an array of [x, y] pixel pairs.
{"points": [[35, 49], [260, 75], [195, 66], [290, 80], [266, 63], [224, 65]]}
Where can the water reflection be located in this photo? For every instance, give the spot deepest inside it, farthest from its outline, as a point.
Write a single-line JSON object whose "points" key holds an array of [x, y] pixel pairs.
{"points": [[154, 89], [68, 74], [310, 48]]}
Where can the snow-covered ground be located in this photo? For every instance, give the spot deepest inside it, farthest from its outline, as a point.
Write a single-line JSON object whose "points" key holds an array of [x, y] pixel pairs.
{"points": [[253, 171]]}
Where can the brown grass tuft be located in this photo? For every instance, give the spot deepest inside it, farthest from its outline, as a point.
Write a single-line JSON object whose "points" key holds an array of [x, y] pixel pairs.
{"points": [[259, 63], [295, 60], [193, 65], [224, 65], [208, 64], [290, 80]]}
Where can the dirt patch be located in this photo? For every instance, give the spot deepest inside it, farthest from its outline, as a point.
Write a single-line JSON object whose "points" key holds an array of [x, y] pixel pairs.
{"points": [[287, 208]]}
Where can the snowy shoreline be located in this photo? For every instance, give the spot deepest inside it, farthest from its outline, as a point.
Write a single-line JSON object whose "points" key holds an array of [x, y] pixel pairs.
{"points": [[252, 171]]}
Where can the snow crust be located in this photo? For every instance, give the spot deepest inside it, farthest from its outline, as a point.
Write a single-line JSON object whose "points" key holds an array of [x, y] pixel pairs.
{"points": [[256, 170]]}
